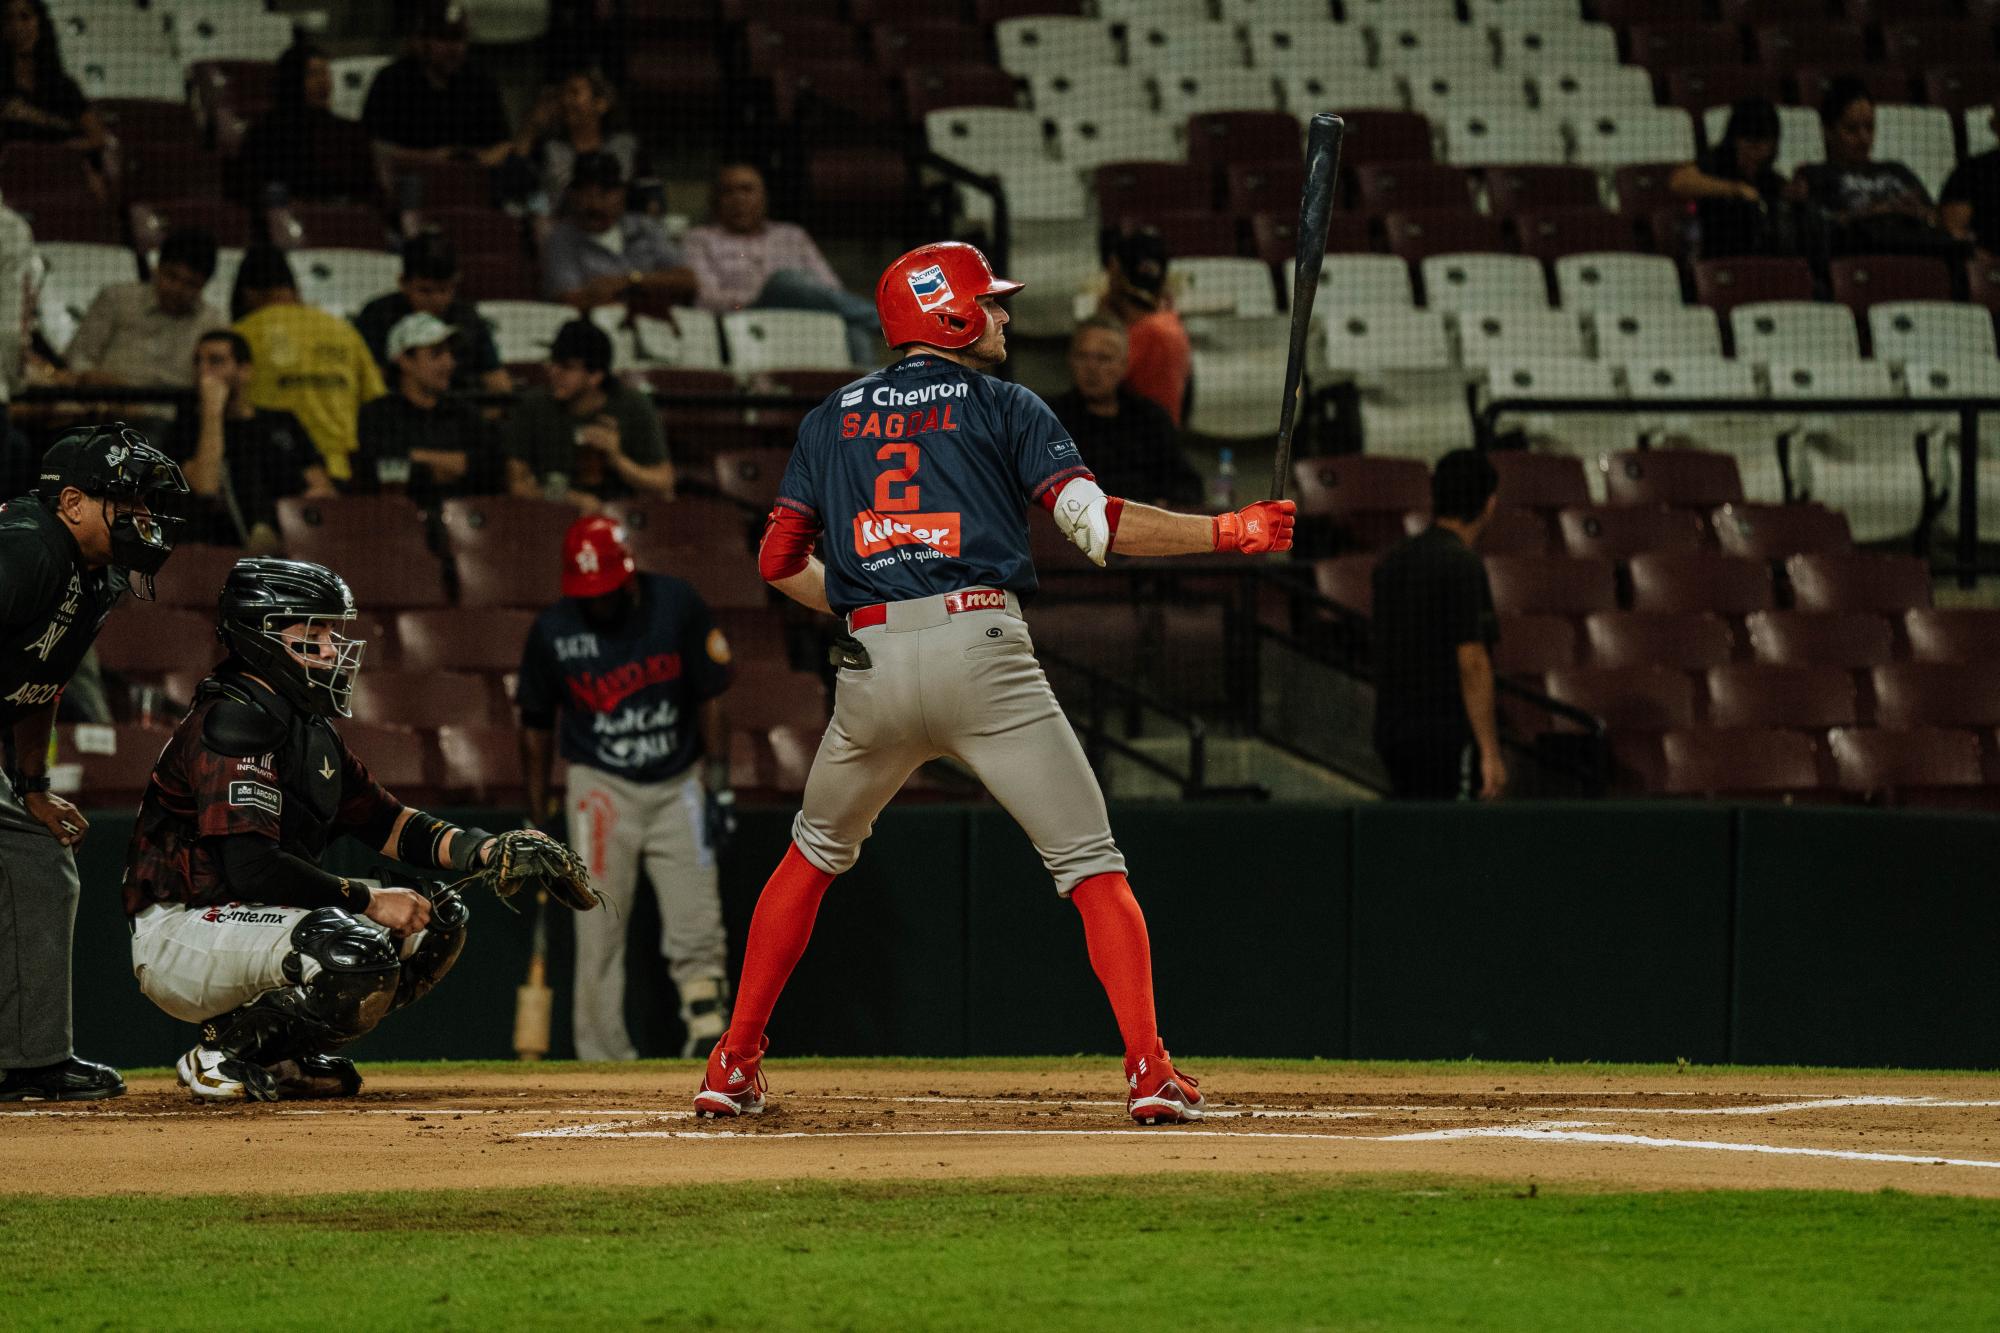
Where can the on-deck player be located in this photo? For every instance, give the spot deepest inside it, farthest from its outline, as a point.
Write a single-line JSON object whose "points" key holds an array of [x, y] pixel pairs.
{"points": [[919, 477]]}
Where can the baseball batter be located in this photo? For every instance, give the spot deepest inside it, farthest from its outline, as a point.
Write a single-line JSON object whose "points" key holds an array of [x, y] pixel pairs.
{"points": [[630, 668], [914, 482]]}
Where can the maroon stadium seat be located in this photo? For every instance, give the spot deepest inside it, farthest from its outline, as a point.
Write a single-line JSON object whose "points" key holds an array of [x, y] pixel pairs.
{"points": [[1539, 481], [1556, 585], [1664, 46], [929, 87], [481, 763], [989, 12], [1906, 765], [479, 638], [1532, 645], [1686, 640], [1982, 282], [1960, 634], [1693, 478], [327, 226], [1884, 84], [194, 575], [1860, 281], [423, 698], [1949, 694], [306, 524], [1696, 88], [1700, 581], [1625, 13], [772, 44], [1419, 234], [527, 531], [1753, 694], [899, 41], [1890, 584], [1514, 189], [1816, 41], [1391, 187], [1750, 13], [691, 521], [1775, 532], [489, 577], [754, 635], [1724, 284], [1100, 635], [1218, 139], [117, 761], [1348, 580], [1550, 234], [1250, 188], [1614, 532], [751, 475], [770, 694], [1378, 135], [1509, 532], [480, 232], [385, 573], [1645, 698], [1956, 86], [1189, 234], [400, 758], [833, 91], [818, 11], [1756, 762], [1276, 236], [1642, 188], [1363, 494], [152, 220], [500, 278], [151, 640], [1847, 639], [1917, 43]]}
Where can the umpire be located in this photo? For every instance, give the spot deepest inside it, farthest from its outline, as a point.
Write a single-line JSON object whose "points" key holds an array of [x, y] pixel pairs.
{"points": [[67, 553]]}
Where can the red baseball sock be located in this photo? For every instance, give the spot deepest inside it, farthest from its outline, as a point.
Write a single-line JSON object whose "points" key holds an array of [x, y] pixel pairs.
{"points": [[779, 930], [1114, 929]]}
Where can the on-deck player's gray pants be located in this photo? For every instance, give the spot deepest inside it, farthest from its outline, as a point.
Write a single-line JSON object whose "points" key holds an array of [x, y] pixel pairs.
{"points": [[38, 896], [614, 824], [967, 686]]}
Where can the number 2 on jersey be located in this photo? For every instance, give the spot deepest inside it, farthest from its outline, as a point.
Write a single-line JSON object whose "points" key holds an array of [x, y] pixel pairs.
{"points": [[888, 498]]}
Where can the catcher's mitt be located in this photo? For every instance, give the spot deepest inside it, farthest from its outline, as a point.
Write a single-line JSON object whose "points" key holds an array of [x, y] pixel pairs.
{"points": [[523, 859]]}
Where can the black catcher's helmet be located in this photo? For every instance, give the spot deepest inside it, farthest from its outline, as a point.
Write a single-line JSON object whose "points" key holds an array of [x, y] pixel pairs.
{"points": [[263, 598], [114, 462]]}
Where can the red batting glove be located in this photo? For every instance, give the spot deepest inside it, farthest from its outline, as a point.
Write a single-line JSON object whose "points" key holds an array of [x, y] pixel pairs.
{"points": [[1257, 528]]}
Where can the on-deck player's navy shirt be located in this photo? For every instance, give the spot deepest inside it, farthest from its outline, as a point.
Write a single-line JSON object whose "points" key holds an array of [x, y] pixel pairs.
{"points": [[920, 476], [629, 699]]}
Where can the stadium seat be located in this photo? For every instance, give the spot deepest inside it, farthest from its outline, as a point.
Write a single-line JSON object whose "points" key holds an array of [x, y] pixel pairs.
{"points": [[1218, 284], [1551, 585], [1509, 532], [1404, 45], [1945, 694], [1515, 189], [785, 339], [486, 639], [1866, 465], [1532, 645], [1615, 532], [1169, 48], [1860, 281], [1696, 88], [1387, 339], [1217, 140], [1957, 634], [1724, 284], [1192, 92], [1887, 584], [1088, 92], [306, 524], [1366, 282], [509, 549], [352, 76], [1667, 378], [751, 475], [1365, 497], [481, 763], [1553, 378], [76, 273], [1088, 141], [1656, 333], [766, 694], [1616, 282], [1386, 187], [1784, 331], [402, 759], [1901, 332], [1850, 640], [1640, 698], [525, 330], [1559, 45], [1568, 91], [1642, 187], [1539, 481], [1778, 532], [1142, 189], [986, 138], [1381, 135], [423, 698], [153, 640], [1683, 640], [342, 281], [1550, 234], [116, 762], [1800, 137], [937, 87], [1496, 282], [1920, 137], [240, 36], [1963, 88], [897, 42], [1347, 580], [327, 227], [1907, 765], [1442, 93], [1287, 45], [1691, 478], [1623, 136], [1486, 338], [1783, 47], [1043, 42], [113, 74], [1250, 188], [1302, 92], [1745, 762], [1417, 234], [1476, 136], [1700, 581], [1754, 694], [78, 220]]}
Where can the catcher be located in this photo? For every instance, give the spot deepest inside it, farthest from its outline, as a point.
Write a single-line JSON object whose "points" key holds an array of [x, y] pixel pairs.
{"points": [[234, 924]]}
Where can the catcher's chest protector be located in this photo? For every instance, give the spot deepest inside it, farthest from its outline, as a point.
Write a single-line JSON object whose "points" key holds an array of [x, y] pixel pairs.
{"points": [[303, 754]]}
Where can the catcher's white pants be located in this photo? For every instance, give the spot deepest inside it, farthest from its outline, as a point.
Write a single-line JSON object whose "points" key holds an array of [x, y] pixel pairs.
{"points": [[200, 962], [614, 824]]}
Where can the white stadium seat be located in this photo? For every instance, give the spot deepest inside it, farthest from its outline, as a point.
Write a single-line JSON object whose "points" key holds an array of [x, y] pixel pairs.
{"points": [[1865, 466], [199, 37], [352, 77], [692, 340], [125, 32], [785, 340], [1235, 363], [1622, 136], [1153, 11], [1539, 46], [1161, 45], [1412, 392], [68, 275], [523, 331], [1979, 129], [1801, 139], [341, 281], [1528, 376], [1476, 137], [986, 138], [1382, 13], [1952, 378], [1767, 331], [1362, 282], [1489, 336], [1583, 90], [1041, 42], [1439, 93], [1253, 13], [1669, 377], [1088, 142], [1656, 331], [1221, 285], [1364, 340], [505, 22], [1524, 13], [1061, 92], [1613, 281], [1348, 89], [1407, 46], [1750, 439], [1185, 93], [1484, 282], [1930, 331], [1920, 137], [122, 74], [1322, 48]]}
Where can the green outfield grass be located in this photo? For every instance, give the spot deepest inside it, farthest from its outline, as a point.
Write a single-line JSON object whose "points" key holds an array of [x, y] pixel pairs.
{"points": [[1282, 1252]]}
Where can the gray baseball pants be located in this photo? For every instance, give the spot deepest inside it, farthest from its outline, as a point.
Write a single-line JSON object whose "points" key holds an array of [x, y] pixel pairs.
{"points": [[38, 897]]}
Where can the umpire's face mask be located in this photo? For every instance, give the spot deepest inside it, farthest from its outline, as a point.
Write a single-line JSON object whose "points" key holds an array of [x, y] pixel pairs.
{"points": [[613, 609]]}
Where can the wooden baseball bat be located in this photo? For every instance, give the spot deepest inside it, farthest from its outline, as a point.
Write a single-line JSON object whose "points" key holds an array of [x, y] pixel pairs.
{"points": [[1323, 139], [533, 1001]]}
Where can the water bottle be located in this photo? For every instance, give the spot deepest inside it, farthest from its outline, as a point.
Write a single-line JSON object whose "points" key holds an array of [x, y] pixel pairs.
{"points": [[1223, 496]]}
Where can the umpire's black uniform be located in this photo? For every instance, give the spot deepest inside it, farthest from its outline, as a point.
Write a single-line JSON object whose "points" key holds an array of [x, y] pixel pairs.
{"points": [[54, 597]]}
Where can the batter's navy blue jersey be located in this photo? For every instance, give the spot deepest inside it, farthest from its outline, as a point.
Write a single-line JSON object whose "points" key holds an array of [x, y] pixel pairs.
{"points": [[628, 699], [920, 477]]}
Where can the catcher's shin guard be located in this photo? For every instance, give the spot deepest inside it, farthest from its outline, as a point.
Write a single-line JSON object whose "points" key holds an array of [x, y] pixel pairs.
{"points": [[345, 976], [443, 941], [704, 1013]]}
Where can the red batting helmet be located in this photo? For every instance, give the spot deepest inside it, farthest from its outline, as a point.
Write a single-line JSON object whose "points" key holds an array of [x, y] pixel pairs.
{"points": [[596, 559], [931, 295]]}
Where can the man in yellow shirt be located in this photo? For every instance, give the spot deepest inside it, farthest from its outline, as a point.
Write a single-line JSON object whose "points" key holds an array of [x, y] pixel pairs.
{"points": [[309, 363]]}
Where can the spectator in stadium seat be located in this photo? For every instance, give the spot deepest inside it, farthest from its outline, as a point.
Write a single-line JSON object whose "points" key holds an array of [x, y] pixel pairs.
{"points": [[434, 102], [241, 460], [305, 361], [1871, 207], [602, 253], [143, 334], [1742, 204], [1128, 441], [299, 149], [39, 102], [429, 285], [418, 435], [588, 437], [1435, 726], [1160, 357], [1970, 203], [744, 261], [573, 117]]}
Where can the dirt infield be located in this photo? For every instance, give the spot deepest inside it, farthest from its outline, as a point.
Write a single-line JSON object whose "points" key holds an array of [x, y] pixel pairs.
{"points": [[1727, 1130]]}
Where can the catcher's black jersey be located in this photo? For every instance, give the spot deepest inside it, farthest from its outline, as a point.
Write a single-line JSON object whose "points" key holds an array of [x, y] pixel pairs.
{"points": [[51, 607]]}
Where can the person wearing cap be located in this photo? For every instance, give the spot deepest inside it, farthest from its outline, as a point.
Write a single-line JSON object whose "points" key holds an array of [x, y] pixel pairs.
{"points": [[429, 284], [1159, 357], [419, 435], [92, 529], [241, 460], [142, 334], [588, 436], [434, 101], [602, 252], [305, 361], [625, 675]]}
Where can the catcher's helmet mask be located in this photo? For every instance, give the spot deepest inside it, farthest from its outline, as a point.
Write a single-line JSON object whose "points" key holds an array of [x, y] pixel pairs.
{"points": [[114, 463], [281, 617]]}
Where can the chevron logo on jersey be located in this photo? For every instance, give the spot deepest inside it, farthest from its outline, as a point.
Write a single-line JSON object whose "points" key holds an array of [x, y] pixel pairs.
{"points": [[930, 288]]}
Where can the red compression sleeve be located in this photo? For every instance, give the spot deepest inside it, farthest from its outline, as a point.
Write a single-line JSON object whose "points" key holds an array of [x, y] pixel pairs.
{"points": [[1114, 930], [779, 929], [789, 536]]}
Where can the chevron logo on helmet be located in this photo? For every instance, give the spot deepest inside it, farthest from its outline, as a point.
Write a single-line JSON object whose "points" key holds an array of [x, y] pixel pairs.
{"points": [[930, 288]]}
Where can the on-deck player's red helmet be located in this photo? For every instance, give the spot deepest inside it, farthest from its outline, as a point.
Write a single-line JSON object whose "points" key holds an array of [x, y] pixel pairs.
{"points": [[596, 557], [931, 295]]}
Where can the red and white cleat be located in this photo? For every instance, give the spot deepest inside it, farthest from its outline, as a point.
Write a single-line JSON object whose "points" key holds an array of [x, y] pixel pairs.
{"points": [[1158, 1094], [733, 1084]]}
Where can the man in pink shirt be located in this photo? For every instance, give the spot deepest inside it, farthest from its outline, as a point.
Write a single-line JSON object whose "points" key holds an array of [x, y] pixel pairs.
{"points": [[744, 261]]}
